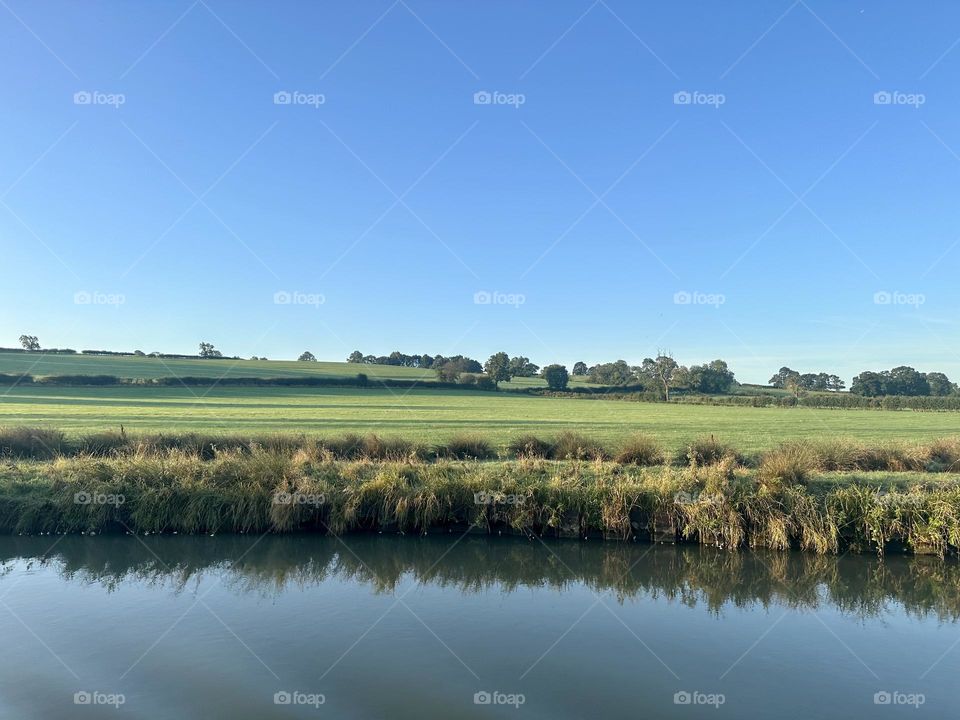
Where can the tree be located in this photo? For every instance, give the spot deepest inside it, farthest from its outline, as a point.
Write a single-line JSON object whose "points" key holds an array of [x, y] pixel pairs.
{"points": [[579, 368], [207, 350], [904, 380], [660, 370], [615, 373], [307, 357], [835, 384], [794, 383], [940, 384], [714, 378], [497, 367], [522, 367], [868, 384], [448, 371], [30, 342], [556, 377], [355, 357], [780, 379]]}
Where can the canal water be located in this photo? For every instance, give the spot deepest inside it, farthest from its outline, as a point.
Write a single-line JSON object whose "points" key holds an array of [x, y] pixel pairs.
{"points": [[468, 627]]}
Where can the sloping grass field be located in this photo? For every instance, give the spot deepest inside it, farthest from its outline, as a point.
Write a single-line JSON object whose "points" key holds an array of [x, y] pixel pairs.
{"points": [[430, 415], [145, 367]]}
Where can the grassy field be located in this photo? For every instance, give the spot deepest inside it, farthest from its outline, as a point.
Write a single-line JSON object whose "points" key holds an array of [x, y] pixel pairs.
{"points": [[435, 415], [144, 367]]}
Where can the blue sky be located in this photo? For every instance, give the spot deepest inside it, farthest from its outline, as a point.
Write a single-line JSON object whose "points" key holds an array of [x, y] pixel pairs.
{"points": [[806, 220]]}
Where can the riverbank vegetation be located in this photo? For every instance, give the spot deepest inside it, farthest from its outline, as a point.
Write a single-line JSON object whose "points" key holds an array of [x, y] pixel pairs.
{"points": [[822, 497]]}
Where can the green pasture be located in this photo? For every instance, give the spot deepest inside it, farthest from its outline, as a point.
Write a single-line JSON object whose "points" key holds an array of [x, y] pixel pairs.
{"points": [[435, 415]]}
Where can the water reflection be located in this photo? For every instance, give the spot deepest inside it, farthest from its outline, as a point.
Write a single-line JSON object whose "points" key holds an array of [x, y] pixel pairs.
{"points": [[692, 575]]}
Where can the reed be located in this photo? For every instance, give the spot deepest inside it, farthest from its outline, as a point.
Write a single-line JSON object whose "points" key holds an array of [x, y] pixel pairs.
{"points": [[262, 489]]}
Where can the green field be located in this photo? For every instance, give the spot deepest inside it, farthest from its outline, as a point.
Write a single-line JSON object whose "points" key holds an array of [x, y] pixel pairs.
{"points": [[145, 367], [435, 415]]}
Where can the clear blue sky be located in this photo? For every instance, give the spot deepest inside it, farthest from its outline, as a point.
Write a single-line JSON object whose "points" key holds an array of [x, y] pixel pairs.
{"points": [[197, 199]]}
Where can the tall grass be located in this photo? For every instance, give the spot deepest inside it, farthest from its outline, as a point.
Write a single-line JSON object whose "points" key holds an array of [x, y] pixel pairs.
{"points": [[789, 463], [261, 489]]}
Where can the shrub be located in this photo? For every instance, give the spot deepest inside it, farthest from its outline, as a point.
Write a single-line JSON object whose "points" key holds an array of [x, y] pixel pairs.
{"points": [[467, 447], [103, 443], [706, 450], [641, 449], [574, 446], [942, 455], [790, 463], [530, 446], [345, 447], [485, 383], [23, 442], [374, 447]]}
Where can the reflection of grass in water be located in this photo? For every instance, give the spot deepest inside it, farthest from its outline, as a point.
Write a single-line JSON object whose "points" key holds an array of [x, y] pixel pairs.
{"points": [[859, 586], [259, 490]]}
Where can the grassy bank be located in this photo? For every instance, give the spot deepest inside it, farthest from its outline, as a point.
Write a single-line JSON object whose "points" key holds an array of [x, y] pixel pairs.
{"points": [[779, 505], [791, 460]]}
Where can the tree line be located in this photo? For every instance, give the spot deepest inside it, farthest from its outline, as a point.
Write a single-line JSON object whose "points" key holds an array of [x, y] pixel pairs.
{"points": [[662, 374], [905, 381]]}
